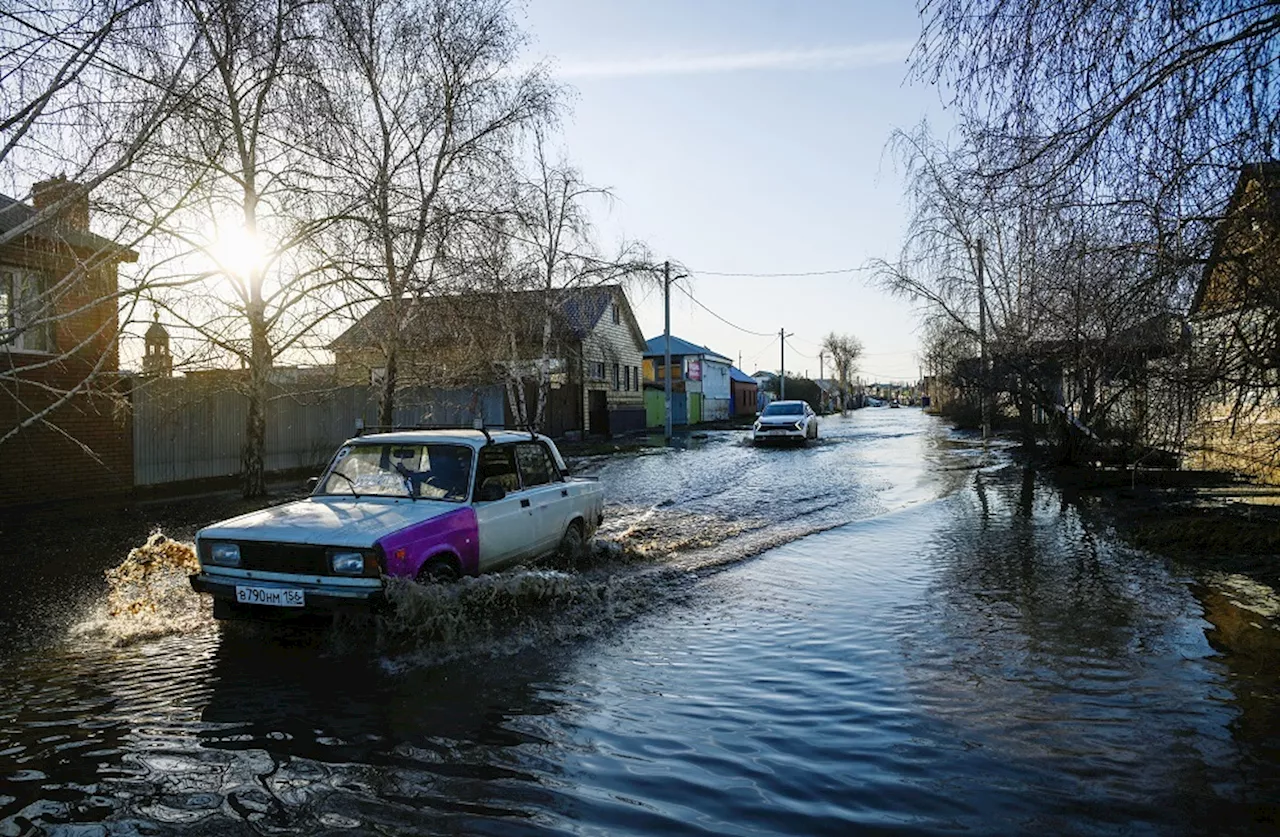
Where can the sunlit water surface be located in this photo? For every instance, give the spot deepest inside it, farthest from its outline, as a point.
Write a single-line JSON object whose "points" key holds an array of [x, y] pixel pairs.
{"points": [[890, 630]]}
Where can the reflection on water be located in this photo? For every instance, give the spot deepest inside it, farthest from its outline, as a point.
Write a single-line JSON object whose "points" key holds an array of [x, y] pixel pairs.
{"points": [[957, 647]]}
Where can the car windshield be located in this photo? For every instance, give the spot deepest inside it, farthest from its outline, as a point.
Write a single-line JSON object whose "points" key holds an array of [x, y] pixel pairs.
{"points": [[784, 410], [429, 472]]}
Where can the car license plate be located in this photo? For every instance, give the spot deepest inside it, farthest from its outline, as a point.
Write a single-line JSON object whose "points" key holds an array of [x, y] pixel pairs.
{"points": [[273, 596]]}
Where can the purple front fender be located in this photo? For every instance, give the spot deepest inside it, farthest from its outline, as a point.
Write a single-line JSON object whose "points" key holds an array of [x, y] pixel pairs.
{"points": [[454, 533]]}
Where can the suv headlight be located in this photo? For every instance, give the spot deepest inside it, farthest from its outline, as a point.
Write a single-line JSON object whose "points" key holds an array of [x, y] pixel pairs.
{"points": [[347, 563], [225, 554]]}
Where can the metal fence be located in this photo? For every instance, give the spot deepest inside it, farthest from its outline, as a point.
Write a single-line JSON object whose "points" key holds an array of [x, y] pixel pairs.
{"points": [[185, 429]]}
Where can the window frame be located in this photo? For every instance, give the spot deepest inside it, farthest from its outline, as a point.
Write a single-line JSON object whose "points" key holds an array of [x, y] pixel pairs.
{"points": [[10, 274], [500, 446], [553, 468]]}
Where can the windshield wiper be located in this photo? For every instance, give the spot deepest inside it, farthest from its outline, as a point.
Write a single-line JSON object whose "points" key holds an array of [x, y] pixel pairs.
{"points": [[350, 481]]}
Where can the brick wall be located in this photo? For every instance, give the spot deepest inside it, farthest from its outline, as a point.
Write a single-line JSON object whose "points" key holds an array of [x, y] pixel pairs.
{"points": [[41, 464], [88, 450]]}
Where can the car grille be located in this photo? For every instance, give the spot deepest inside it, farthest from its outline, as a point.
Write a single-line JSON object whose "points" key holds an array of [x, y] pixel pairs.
{"points": [[301, 559]]}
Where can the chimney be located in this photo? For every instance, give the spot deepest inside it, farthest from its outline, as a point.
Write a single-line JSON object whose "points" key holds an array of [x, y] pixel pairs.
{"points": [[74, 215]]}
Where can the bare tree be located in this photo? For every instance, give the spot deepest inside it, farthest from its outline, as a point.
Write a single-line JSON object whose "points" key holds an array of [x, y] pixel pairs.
{"points": [[1055, 291], [844, 349], [245, 197], [86, 87], [1144, 114], [425, 100], [552, 229]]}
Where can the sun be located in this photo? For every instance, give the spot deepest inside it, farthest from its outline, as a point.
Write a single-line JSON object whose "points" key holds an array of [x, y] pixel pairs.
{"points": [[237, 251]]}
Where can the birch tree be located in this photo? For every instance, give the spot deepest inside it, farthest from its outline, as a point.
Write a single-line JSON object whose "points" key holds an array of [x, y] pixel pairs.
{"points": [[251, 198], [552, 232], [425, 101]]}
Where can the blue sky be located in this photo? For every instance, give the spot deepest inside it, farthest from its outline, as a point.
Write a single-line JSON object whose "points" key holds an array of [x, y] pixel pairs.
{"points": [[749, 136]]}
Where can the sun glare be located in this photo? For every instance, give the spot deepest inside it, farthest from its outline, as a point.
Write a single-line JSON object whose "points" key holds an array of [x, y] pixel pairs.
{"points": [[237, 251]]}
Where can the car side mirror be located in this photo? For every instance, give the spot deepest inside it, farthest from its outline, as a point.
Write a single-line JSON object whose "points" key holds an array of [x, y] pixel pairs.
{"points": [[490, 491], [311, 483]]}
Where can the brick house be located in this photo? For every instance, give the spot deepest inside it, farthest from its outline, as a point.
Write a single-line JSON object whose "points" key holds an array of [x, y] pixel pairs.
{"points": [[58, 342], [481, 339]]}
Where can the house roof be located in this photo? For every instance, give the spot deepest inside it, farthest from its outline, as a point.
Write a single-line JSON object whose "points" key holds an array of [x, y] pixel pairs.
{"points": [[1267, 175], [656, 347], [761, 373], [736, 374], [14, 213], [579, 310]]}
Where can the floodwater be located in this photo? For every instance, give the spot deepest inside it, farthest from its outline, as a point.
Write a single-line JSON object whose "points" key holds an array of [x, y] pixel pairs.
{"points": [[891, 630]]}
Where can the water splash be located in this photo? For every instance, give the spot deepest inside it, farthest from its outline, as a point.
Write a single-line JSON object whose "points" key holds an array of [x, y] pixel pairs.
{"points": [[148, 595]]}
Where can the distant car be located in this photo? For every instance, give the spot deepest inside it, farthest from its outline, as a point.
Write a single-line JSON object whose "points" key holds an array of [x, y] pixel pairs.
{"points": [[426, 505], [786, 421]]}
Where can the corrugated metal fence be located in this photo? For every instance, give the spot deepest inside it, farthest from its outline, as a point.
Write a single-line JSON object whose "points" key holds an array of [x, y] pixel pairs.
{"points": [[183, 429]]}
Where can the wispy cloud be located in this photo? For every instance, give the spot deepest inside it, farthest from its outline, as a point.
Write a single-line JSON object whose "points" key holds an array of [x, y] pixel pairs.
{"points": [[825, 58]]}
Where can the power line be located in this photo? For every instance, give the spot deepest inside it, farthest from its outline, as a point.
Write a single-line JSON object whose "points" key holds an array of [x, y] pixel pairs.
{"points": [[687, 293], [767, 347], [802, 354], [801, 274]]}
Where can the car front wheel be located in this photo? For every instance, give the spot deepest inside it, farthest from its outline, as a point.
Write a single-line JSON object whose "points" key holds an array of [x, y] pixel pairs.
{"points": [[573, 544], [439, 571]]}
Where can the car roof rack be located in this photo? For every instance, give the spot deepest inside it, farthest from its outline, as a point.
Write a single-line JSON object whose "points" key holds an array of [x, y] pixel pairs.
{"points": [[397, 428]]}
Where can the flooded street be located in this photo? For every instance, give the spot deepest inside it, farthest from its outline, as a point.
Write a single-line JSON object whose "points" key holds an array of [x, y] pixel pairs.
{"points": [[888, 630]]}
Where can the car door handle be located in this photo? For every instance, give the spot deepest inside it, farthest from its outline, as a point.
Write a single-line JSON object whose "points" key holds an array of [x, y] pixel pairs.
{"points": [[524, 504]]}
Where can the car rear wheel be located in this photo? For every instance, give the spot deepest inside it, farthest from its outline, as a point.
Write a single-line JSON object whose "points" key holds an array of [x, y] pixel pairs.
{"points": [[439, 571]]}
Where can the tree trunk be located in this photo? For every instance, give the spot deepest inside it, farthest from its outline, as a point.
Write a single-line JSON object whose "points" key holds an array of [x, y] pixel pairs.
{"points": [[1026, 415], [253, 475], [544, 367], [387, 395]]}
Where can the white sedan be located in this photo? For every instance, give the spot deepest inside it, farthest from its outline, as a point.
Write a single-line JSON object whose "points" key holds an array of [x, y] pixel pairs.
{"points": [[786, 421]]}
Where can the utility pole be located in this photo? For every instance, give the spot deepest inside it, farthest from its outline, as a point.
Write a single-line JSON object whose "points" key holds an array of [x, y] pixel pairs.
{"points": [[782, 379], [666, 334], [985, 401]]}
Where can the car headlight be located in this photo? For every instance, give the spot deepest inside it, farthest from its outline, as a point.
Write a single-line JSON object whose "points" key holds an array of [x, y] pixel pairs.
{"points": [[347, 563], [226, 554], [799, 425]]}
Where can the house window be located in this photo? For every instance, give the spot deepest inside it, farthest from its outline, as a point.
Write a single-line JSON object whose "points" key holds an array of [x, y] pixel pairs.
{"points": [[617, 315], [24, 323], [596, 370], [637, 379], [626, 370], [616, 378]]}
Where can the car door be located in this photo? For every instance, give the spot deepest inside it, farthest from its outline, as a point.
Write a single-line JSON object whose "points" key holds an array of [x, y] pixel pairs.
{"points": [[547, 492], [507, 526]]}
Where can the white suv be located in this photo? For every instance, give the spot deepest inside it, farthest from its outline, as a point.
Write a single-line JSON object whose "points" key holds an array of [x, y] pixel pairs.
{"points": [[786, 421]]}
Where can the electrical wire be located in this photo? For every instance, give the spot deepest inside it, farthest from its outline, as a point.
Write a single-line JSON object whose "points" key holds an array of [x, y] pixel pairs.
{"points": [[689, 294], [767, 347], [799, 275], [800, 353]]}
